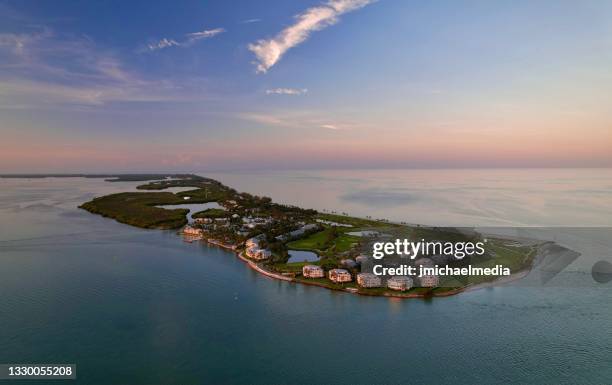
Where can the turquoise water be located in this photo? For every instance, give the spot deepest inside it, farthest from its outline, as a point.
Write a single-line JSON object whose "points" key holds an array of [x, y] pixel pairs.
{"points": [[131, 306]]}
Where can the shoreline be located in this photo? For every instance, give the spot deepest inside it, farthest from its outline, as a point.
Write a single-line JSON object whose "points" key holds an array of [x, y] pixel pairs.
{"points": [[472, 287], [147, 210]]}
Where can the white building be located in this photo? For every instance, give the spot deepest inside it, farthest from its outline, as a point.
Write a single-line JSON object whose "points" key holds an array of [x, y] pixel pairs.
{"points": [[258, 253], [254, 251], [192, 230], [265, 253], [429, 281], [313, 271], [339, 275], [361, 259], [253, 242], [399, 283], [348, 263], [297, 233], [368, 280]]}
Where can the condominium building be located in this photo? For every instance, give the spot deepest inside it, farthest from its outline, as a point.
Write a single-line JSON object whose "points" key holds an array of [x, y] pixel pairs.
{"points": [[189, 230], [399, 283], [368, 280], [339, 275], [313, 271], [429, 281]]}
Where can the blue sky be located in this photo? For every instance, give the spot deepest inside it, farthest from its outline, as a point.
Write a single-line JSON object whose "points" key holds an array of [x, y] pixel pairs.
{"points": [[197, 85]]}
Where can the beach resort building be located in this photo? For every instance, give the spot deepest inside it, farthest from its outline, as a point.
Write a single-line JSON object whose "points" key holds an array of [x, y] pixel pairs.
{"points": [[339, 276], [399, 283], [297, 233], [348, 263], [426, 262], [253, 242], [254, 251], [313, 271], [189, 230], [368, 280], [361, 259], [258, 253], [242, 232], [429, 281]]}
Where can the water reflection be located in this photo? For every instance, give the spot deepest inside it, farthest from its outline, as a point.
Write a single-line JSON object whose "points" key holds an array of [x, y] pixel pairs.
{"points": [[302, 256], [193, 208]]}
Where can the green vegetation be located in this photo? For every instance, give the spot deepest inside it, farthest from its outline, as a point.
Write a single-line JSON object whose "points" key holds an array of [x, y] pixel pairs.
{"points": [[294, 267], [138, 209], [250, 215], [345, 242], [316, 242], [327, 283], [210, 213], [517, 259], [328, 242], [353, 221]]}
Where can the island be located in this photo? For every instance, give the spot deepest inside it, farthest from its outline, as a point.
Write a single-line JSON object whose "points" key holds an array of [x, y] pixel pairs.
{"points": [[327, 249]]}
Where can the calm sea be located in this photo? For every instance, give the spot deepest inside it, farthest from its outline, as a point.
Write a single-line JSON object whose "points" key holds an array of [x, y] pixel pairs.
{"points": [[131, 306]]}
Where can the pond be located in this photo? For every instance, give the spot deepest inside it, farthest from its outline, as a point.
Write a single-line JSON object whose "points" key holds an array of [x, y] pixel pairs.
{"points": [[364, 233], [302, 256], [334, 223], [193, 208], [176, 189]]}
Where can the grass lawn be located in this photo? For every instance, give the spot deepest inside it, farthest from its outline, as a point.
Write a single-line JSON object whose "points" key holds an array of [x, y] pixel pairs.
{"points": [[355, 222], [294, 267], [327, 283], [515, 258], [317, 241], [326, 241], [345, 242]]}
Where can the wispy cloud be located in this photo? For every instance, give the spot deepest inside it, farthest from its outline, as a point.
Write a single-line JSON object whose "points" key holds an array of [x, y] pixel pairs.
{"points": [[163, 43], [249, 21], [286, 91], [41, 69], [189, 39], [331, 127], [208, 33], [299, 120], [269, 52]]}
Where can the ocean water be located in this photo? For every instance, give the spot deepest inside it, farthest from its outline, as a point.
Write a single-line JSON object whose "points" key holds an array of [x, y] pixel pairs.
{"points": [[131, 306], [496, 197]]}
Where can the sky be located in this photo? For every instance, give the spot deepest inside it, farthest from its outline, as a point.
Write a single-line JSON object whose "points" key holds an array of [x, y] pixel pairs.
{"points": [[130, 86]]}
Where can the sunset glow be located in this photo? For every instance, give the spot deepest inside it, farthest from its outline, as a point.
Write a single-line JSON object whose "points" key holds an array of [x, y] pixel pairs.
{"points": [[213, 86]]}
